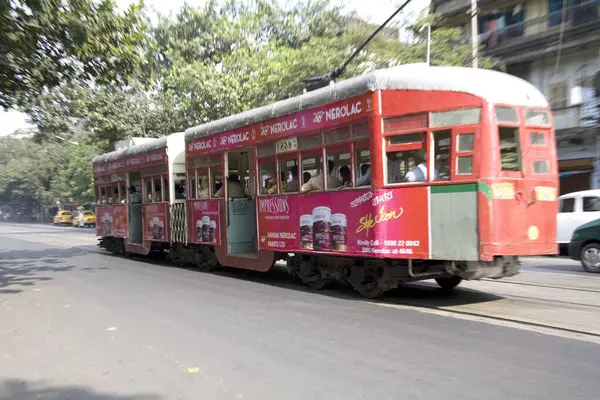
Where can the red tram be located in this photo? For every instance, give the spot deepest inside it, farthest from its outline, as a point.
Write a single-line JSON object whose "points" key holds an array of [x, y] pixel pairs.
{"points": [[439, 173]]}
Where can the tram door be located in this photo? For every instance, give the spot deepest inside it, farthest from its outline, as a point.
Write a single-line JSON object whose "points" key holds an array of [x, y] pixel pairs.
{"points": [[135, 209], [241, 205]]}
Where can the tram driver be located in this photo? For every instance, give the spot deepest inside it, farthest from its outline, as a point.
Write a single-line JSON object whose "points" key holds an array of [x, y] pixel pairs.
{"points": [[316, 182]]}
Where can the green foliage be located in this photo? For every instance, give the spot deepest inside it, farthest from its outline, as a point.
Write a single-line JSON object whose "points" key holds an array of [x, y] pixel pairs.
{"points": [[45, 43], [41, 174]]}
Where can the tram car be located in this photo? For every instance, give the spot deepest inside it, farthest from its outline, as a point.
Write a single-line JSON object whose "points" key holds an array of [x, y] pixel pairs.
{"points": [[403, 174]]}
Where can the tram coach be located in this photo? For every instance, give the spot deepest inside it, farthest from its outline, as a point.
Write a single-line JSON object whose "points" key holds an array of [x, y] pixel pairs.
{"points": [[403, 174]]}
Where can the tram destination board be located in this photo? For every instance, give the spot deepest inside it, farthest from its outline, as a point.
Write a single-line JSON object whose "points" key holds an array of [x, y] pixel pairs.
{"points": [[389, 223]]}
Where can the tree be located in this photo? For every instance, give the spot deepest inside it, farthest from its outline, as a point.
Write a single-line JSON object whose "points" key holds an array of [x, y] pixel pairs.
{"points": [[46, 43]]}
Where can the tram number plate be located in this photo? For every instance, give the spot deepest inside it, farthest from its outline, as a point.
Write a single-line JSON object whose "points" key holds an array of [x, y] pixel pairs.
{"points": [[288, 144]]}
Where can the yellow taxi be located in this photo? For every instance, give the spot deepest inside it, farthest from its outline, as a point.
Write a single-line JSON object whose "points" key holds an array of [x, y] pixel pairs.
{"points": [[63, 217], [89, 219]]}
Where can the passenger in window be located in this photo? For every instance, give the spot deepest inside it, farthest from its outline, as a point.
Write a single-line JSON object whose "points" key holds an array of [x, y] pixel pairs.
{"points": [[365, 175], [394, 168], [234, 189], [293, 185], [419, 173], [346, 177], [203, 187], [316, 182], [306, 177], [134, 197]]}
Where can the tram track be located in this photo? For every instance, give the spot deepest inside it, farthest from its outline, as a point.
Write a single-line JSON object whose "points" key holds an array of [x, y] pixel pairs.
{"points": [[541, 285]]}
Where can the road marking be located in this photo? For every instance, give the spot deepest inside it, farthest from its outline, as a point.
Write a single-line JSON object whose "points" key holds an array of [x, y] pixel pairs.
{"points": [[193, 370], [498, 321], [111, 329]]}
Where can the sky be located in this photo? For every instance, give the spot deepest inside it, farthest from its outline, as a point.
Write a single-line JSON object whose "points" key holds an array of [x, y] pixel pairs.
{"points": [[375, 11]]}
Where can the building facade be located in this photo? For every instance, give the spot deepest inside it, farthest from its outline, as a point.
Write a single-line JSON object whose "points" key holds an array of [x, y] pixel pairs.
{"points": [[555, 45]]}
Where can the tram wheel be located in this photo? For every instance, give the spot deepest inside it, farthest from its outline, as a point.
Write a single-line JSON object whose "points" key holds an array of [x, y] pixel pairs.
{"points": [[449, 283], [371, 293], [319, 284]]}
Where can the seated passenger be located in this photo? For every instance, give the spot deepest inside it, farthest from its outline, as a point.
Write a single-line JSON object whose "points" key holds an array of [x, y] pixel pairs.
{"points": [[306, 177], [365, 177], [203, 187], [346, 177], [316, 182], [234, 190], [293, 185]]}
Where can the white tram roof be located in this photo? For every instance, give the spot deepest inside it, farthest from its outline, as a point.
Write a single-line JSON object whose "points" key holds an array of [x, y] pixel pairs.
{"points": [[156, 144], [493, 86]]}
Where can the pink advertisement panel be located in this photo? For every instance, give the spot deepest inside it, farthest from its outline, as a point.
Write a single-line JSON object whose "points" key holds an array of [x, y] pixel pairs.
{"points": [[205, 227], [382, 223], [138, 161], [155, 222], [104, 220], [304, 121], [119, 224]]}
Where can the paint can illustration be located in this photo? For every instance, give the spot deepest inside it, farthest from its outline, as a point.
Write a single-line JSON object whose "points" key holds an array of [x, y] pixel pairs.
{"points": [[212, 233], [306, 231], [321, 228], [199, 231], [339, 227], [206, 229]]}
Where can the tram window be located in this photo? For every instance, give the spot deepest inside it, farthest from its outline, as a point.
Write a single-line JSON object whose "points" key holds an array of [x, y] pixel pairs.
{"points": [[192, 186], [540, 167], [360, 130], [455, 117], [465, 142], [537, 139], [465, 165], [122, 192], [266, 149], [312, 165], [362, 163], [509, 148], [309, 141], [399, 163], [203, 186], [148, 191], [536, 117], [166, 193], [341, 176], [103, 195], [441, 164], [179, 186], [157, 190], [507, 114], [407, 138], [267, 178], [289, 170], [217, 181], [337, 135]]}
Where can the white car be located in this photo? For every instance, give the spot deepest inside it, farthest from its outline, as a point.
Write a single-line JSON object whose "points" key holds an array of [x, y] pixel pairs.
{"points": [[574, 210]]}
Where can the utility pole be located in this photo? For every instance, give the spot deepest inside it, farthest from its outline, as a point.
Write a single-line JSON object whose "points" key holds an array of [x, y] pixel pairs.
{"points": [[474, 32], [428, 26]]}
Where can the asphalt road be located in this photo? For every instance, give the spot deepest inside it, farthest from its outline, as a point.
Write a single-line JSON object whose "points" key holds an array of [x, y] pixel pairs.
{"points": [[77, 324]]}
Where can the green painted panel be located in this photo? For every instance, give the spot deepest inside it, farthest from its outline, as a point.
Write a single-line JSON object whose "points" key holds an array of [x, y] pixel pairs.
{"points": [[460, 188], [454, 233]]}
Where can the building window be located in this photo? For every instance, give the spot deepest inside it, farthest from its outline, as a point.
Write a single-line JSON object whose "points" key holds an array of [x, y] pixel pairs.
{"points": [[558, 95]]}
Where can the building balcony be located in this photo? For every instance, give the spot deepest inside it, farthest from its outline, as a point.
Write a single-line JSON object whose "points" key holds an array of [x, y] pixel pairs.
{"points": [[576, 25]]}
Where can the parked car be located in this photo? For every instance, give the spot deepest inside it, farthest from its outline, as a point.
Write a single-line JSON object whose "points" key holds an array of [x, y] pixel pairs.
{"points": [[63, 217], [89, 219], [585, 246], [574, 210]]}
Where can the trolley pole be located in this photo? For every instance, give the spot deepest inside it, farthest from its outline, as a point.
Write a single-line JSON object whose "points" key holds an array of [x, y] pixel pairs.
{"points": [[474, 32]]}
